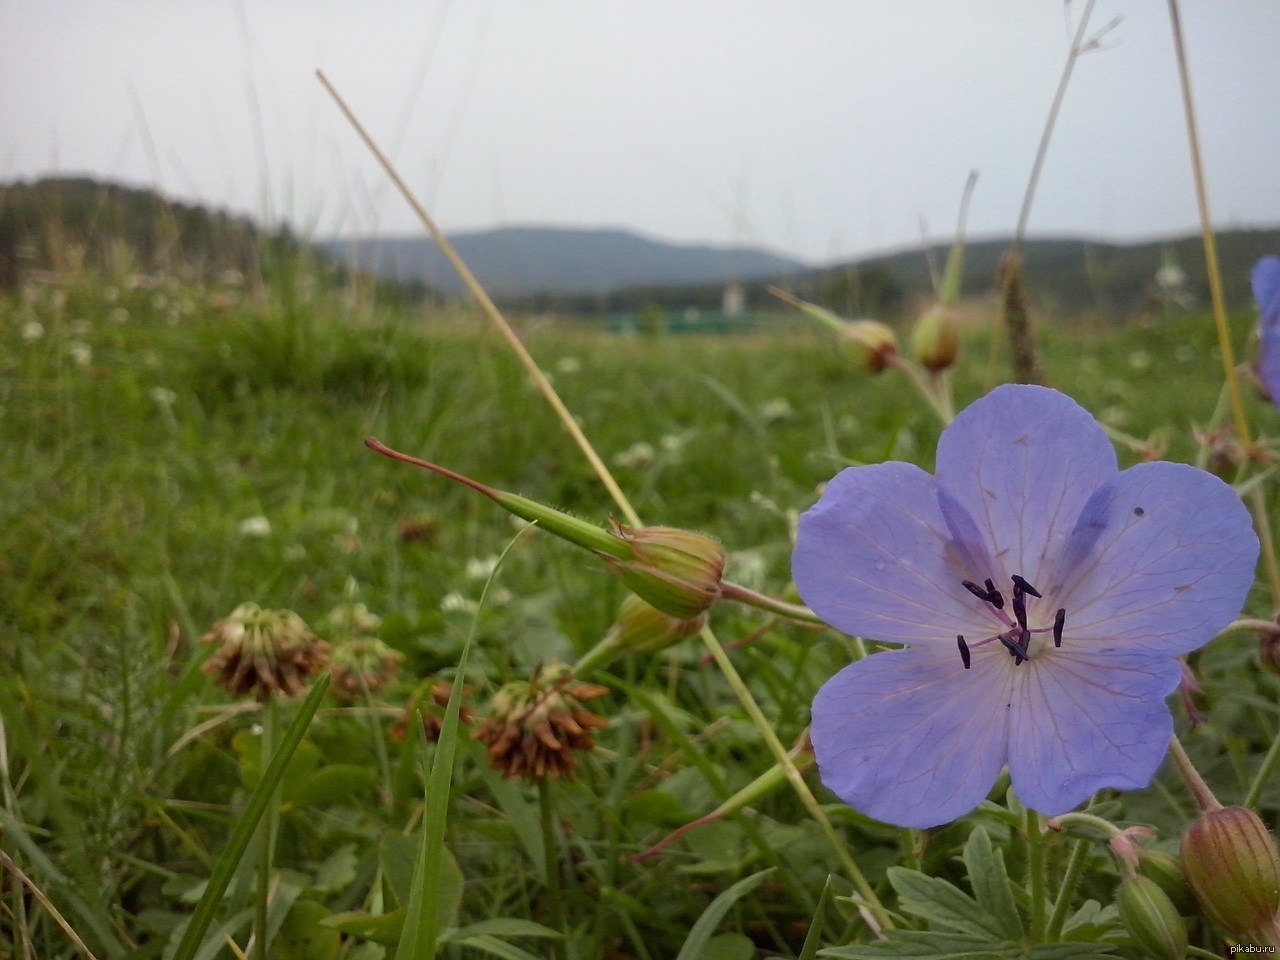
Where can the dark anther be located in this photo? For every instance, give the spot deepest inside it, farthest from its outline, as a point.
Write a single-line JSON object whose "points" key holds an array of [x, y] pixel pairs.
{"points": [[964, 650], [988, 595], [1021, 586], [1020, 609], [1059, 619], [994, 596], [1017, 648]]}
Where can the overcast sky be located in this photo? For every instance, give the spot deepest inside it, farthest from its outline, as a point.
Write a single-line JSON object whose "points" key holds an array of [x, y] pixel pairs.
{"points": [[818, 128]]}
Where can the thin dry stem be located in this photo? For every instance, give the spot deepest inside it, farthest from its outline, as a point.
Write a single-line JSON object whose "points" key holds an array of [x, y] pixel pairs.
{"points": [[1206, 231], [490, 309], [45, 902]]}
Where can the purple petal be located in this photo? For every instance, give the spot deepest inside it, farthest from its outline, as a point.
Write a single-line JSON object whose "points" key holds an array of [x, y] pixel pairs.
{"points": [[910, 737], [1266, 290], [872, 560], [1022, 462], [1085, 721], [1161, 560]]}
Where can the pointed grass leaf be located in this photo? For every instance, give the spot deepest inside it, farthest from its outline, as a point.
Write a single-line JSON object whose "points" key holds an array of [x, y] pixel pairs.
{"points": [[990, 883], [432, 890], [925, 945], [247, 824], [705, 926]]}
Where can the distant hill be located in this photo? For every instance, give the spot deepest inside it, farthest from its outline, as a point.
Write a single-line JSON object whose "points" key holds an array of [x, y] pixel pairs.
{"points": [[516, 262]]}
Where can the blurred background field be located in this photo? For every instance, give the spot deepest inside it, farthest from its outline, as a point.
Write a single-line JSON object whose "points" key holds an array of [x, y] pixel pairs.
{"points": [[179, 442]]}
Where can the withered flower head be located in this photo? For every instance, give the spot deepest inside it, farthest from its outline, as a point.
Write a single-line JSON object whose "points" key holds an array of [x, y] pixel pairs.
{"points": [[363, 664], [264, 652], [351, 619], [432, 713], [535, 725]]}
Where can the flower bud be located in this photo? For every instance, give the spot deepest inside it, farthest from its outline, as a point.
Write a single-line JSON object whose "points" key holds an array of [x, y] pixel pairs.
{"points": [[935, 343], [1232, 866], [876, 343], [643, 628], [675, 570], [1167, 872], [1269, 654], [1151, 919]]}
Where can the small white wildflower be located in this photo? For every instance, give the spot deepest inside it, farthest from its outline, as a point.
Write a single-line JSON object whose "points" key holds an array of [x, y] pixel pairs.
{"points": [[255, 527], [749, 569], [480, 568], [119, 315], [1114, 416], [1139, 360], [776, 410], [454, 602], [639, 454], [672, 442], [568, 365], [295, 552], [80, 352], [32, 330], [164, 396]]}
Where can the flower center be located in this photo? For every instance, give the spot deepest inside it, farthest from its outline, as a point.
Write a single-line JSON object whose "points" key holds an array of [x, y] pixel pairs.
{"points": [[1016, 638]]}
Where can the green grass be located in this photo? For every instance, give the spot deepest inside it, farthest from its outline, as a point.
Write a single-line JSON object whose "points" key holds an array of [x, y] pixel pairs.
{"points": [[142, 427]]}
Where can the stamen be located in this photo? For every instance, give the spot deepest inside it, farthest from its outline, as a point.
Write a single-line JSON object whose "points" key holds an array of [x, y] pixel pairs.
{"points": [[1058, 620], [964, 650], [994, 596], [1020, 609], [1021, 586], [1016, 650], [977, 591]]}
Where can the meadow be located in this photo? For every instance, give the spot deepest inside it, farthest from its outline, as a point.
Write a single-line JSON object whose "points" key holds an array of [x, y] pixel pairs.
{"points": [[173, 451]]}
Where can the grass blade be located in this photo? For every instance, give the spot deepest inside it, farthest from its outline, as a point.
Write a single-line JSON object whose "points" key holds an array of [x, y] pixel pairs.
{"points": [[247, 824], [702, 931]]}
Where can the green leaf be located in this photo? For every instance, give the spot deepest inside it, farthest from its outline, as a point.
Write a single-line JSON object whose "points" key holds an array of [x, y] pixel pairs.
{"points": [[503, 927], [247, 823], [301, 937], [990, 882], [333, 784], [381, 928], [337, 872], [728, 946], [1071, 951], [497, 948], [706, 924], [926, 945], [943, 904]]}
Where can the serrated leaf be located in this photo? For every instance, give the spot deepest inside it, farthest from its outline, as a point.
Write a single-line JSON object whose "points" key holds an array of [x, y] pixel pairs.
{"points": [[1091, 921], [926, 945], [990, 882], [943, 904]]}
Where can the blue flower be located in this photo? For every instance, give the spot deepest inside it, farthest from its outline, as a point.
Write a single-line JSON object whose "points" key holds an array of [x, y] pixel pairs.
{"points": [[1266, 290], [1041, 596]]}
